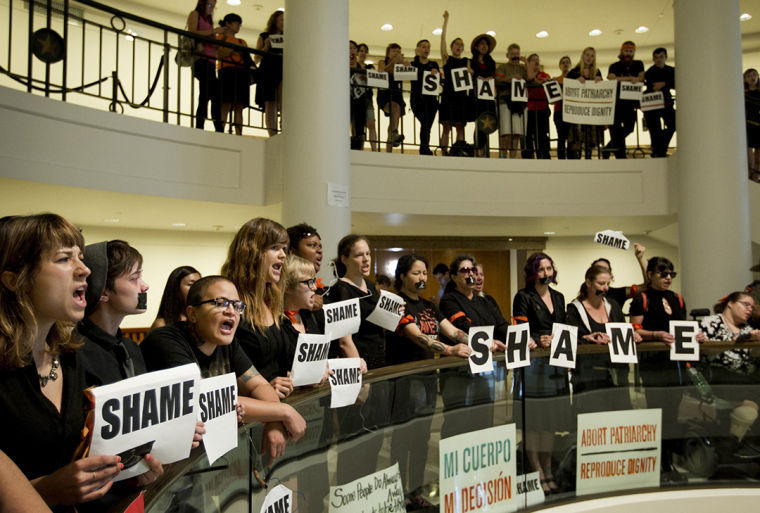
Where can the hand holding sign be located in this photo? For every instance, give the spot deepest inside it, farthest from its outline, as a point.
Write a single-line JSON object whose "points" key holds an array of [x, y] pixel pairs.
{"points": [[345, 381], [387, 313], [622, 342], [342, 318], [310, 360], [564, 345], [685, 347], [216, 400], [479, 339], [612, 238], [518, 345]]}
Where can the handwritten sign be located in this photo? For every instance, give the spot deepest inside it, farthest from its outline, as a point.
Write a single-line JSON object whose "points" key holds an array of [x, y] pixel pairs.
{"points": [[517, 352], [431, 83], [342, 318], [685, 348], [153, 413], [310, 360], [277, 41], [278, 500], [553, 91], [652, 101], [377, 79], [345, 381], [618, 450], [461, 80], [622, 346], [216, 409], [630, 91], [612, 239], [381, 491], [519, 91], [478, 471], [402, 72], [564, 345], [387, 312], [486, 89], [480, 339], [590, 103]]}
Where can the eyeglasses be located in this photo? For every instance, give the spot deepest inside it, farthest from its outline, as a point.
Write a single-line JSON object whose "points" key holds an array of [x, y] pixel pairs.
{"points": [[314, 245], [311, 283], [747, 304], [466, 270], [223, 302], [665, 274]]}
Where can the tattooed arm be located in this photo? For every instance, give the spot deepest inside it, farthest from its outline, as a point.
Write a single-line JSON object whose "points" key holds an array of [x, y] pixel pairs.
{"points": [[412, 331]]}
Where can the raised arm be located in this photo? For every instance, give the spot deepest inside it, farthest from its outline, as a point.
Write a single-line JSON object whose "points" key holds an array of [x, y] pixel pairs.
{"points": [[444, 51]]}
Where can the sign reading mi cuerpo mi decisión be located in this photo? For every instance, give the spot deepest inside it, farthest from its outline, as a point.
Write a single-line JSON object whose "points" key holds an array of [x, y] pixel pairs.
{"points": [[477, 471]]}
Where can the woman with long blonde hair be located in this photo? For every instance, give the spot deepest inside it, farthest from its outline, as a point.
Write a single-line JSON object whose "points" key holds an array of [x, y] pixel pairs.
{"points": [[585, 136], [255, 262]]}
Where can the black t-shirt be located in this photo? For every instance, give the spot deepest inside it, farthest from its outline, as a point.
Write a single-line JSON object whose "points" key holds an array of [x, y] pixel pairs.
{"points": [[267, 349], [618, 295], [370, 339], [529, 307], [32, 433], [107, 359], [621, 69], [655, 316], [665, 74], [478, 311], [421, 69], [575, 73], [574, 318], [399, 348], [175, 345]]}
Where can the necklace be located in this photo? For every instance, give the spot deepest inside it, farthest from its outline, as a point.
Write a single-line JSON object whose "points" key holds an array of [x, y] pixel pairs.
{"points": [[52, 376]]}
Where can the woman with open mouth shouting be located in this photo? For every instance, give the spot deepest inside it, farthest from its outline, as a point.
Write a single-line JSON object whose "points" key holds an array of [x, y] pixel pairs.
{"points": [[255, 262]]}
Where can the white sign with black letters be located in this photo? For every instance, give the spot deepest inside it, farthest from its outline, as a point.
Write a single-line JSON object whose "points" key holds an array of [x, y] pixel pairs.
{"points": [[461, 80], [387, 313], [480, 339], [279, 499], [486, 89], [277, 41], [153, 413], [310, 360], [622, 345], [612, 238], [431, 83], [630, 91], [685, 348], [518, 339], [403, 72], [652, 101], [564, 345], [553, 91], [519, 90], [217, 397], [377, 79], [345, 381], [342, 318]]}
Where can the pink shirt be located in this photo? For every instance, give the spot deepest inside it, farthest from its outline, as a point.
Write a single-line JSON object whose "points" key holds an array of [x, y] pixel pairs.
{"points": [[209, 50]]}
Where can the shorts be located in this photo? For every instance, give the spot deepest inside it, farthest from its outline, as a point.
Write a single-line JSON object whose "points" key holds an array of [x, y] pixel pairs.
{"points": [[510, 123]]}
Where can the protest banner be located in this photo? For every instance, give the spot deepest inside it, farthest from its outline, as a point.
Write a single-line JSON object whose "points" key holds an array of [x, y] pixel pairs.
{"points": [[387, 312], [685, 348], [622, 345], [381, 491], [216, 409], [345, 381], [517, 352], [480, 338], [431, 83], [402, 72], [564, 345], [153, 413], [478, 471], [589, 103], [612, 238], [377, 79], [652, 101], [618, 450], [310, 359], [630, 91], [342, 318]]}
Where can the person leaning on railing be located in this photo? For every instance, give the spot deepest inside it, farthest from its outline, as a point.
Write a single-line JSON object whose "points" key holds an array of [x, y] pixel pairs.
{"points": [[200, 21], [584, 137], [456, 106], [269, 84], [537, 130], [361, 55], [562, 128], [424, 106], [391, 100], [752, 112], [234, 75], [359, 98]]}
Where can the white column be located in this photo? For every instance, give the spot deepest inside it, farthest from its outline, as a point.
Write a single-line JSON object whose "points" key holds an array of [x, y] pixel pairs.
{"points": [[315, 117], [713, 203]]}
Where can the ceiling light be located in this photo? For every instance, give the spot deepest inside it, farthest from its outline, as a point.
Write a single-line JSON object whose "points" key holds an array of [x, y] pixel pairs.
{"points": [[550, 233], [745, 16], [233, 2], [491, 33], [386, 27], [281, 9], [595, 32], [368, 61], [542, 34], [438, 31], [641, 29], [179, 225], [111, 220], [396, 250]]}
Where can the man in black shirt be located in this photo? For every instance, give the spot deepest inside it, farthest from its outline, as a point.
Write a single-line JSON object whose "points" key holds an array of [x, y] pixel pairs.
{"points": [[115, 289], [626, 69], [661, 77]]}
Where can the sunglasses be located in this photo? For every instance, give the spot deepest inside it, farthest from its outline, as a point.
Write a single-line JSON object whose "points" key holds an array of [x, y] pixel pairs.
{"points": [[223, 302], [665, 274], [466, 270]]}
